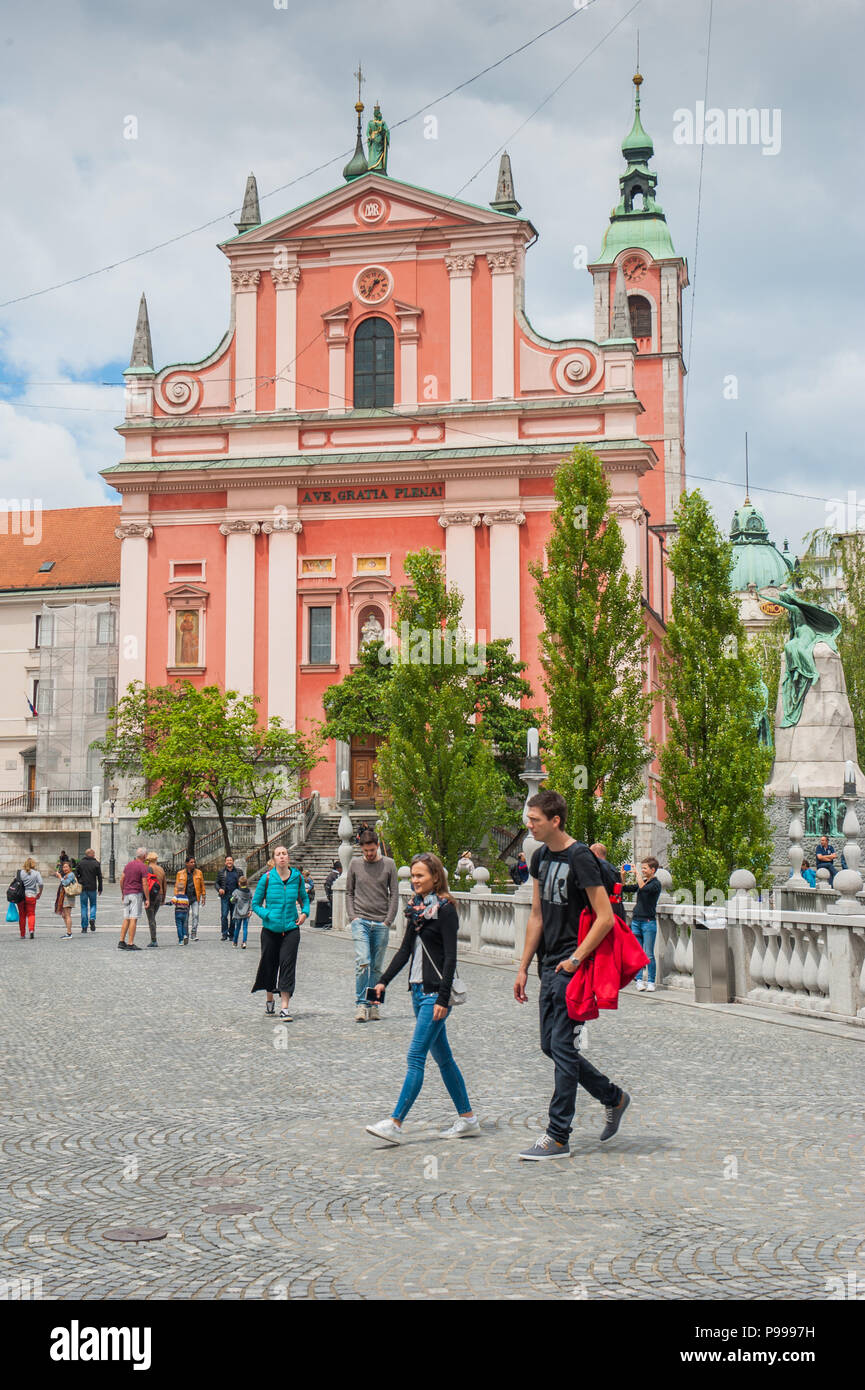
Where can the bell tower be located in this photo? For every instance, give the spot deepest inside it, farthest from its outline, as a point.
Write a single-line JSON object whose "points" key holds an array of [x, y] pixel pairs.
{"points": [[638, 244]]}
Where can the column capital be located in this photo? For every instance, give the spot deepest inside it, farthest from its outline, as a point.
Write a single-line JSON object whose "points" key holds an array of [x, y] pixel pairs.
{"points": [[286, 279], [239, 526], [133, 530], [501, 262], [459, 519], [245, 279], [461, 264], [281, 523], [504, 516]]}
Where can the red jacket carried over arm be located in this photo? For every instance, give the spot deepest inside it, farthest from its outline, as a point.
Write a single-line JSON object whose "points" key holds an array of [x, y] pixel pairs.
{"points": [[613, 964]]}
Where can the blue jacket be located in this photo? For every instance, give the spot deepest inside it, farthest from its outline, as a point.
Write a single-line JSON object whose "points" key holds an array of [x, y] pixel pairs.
{"points": [[276, 903]]}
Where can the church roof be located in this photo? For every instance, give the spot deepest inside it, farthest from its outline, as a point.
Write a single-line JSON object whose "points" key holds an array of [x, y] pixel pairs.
{"points": [[756, 559]]}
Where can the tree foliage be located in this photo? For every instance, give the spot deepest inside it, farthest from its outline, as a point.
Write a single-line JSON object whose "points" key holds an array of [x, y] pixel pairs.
{"points": [[712, 768], [191, 749], [593, 653]]}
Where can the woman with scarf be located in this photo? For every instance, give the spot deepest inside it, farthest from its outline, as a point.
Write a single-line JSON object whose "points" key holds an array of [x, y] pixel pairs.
{"points": [[430, 943]]}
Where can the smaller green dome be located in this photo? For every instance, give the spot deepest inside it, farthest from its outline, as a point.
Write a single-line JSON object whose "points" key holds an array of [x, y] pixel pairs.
{"points": [[756, 559]]}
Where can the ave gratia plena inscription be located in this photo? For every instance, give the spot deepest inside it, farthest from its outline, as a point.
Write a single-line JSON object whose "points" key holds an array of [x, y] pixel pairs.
{"points": [[373, 494]]}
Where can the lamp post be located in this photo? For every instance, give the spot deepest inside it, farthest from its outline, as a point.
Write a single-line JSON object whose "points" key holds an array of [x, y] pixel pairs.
{"points": [[533, 774], [112, 865]]}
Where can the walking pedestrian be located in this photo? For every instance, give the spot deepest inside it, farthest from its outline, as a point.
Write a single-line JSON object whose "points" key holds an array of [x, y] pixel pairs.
{"points": [[644, 923], [371, 902], [227, 880], [282, 904], [189, 884], [241, 906], [63, 901], [567, 878], [34, 886], [133, 889], [89, 875], [430, 943], [155, 879], [180, 903]]}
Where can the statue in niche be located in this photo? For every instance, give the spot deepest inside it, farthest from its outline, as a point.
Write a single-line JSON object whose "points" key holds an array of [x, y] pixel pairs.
{"points": [[372, 631], [186, 637]]}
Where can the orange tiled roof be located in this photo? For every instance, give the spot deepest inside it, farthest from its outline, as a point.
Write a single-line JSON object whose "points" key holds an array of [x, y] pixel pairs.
{"points": [[80, 541]]}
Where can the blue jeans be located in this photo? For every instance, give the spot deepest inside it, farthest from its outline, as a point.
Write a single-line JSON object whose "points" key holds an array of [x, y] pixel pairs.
{"points": [[181, 918], [238, 923], [645, 932], [88, 908], [226, 915], [430, 1037], [370, 944]]}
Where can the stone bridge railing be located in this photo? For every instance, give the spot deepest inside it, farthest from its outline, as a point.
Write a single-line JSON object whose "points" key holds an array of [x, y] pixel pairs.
{"points": [[807, 961]]}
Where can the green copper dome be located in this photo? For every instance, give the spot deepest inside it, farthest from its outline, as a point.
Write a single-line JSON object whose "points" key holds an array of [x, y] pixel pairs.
{"points": [[637, 220], [756, 560]]}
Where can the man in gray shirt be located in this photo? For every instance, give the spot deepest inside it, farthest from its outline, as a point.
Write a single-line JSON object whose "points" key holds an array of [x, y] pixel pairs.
{"points": [[371, 901]]}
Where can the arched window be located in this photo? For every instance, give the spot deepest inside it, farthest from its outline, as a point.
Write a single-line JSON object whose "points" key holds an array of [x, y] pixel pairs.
{"points": [[641, 316], [373, 365]]}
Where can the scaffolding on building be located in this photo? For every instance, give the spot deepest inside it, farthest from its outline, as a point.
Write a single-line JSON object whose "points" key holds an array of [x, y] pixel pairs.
{"points": [[77, 687]]}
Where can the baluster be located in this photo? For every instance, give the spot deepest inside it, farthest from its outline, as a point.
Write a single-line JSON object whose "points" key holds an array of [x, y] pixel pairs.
{"points": [[755, 964], [679, 952], [860, 1012], [823, 969], [782, 968], [797, 961], [689, 955], [811, 969], [770, 967]]}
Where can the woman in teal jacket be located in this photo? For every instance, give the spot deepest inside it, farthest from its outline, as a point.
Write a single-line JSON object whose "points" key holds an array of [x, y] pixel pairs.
{"points": [[282, 903]]}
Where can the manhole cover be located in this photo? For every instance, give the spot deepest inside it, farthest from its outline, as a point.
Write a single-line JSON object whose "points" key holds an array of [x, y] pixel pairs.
{"points": [[135, 1233], [230, 1209], [218, 1182]]}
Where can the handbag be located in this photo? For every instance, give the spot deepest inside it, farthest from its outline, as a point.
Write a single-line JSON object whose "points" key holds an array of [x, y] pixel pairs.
{"points": [[12, 913], [459, 993], [73, 890], [15, 891]]}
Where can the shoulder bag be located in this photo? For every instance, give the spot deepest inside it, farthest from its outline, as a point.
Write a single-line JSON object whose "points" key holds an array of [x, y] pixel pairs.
{"points": [[459, 993]]}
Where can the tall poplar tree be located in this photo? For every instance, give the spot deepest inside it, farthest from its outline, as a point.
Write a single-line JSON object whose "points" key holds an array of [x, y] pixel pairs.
{"points": [[713, 769], [593, 653]]}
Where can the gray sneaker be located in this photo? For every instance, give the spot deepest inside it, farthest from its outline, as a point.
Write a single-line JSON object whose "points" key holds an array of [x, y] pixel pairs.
{"points": [[362, 1015], [614, 1116], [546, 1147], [374, 1014]]}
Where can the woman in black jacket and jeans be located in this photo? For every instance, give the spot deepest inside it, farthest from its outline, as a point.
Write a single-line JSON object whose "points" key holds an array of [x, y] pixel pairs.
{"points": [[431, 919]]}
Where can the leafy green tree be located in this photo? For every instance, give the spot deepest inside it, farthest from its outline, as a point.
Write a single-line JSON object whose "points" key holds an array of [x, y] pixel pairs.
{"points": [[441, 788], [354, 707], [190, 748], [593, 653], [712, 768]]}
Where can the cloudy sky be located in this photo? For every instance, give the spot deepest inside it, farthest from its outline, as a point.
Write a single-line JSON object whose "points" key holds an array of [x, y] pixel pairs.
{"points": [[221, 87]]}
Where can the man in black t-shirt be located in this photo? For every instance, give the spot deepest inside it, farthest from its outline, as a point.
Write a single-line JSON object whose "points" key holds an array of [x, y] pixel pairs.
{"points": [[568, 878]]}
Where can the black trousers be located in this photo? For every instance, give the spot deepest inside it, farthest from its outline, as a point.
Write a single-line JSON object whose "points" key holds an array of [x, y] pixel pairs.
{"points": [[278, 963], [560, 1040]]}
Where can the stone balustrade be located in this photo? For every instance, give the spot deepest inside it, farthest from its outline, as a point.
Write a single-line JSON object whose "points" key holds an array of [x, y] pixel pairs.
{"points": [[810, 962]]}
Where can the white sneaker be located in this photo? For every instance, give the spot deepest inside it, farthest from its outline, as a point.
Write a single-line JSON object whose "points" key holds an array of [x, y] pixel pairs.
{"points": [[650, 989], [373, 1015], [362, 1014], [463, 1127], [641, 985], [386, 1129]]}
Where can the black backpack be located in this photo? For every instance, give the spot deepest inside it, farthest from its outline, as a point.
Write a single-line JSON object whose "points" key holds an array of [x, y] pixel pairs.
{"points": [[15, 891]]}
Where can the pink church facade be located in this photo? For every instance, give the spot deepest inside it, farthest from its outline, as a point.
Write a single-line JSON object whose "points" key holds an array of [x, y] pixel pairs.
{"points": [[380, 389]]}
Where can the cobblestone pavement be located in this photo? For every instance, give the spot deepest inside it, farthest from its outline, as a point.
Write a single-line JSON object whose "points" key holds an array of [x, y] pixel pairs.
{"points": [[128, 1078]]}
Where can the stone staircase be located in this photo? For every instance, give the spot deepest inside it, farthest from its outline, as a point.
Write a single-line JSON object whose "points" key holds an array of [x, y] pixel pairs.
{"points": [[322, 846]]}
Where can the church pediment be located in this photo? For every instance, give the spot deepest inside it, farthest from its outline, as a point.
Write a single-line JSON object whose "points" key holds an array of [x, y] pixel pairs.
{"points": [[373, 203]]}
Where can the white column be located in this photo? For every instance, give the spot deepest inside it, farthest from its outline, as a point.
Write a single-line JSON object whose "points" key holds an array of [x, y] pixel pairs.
{"points": [[459, 529], [286, 282], [244, 283], [132, 656], [505, 574], [460, 272], [240, 604], [501, 264], [282, 619]]}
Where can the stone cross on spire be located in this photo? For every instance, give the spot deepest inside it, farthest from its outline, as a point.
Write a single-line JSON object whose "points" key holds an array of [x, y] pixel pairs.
{"points": [[357, 165]]}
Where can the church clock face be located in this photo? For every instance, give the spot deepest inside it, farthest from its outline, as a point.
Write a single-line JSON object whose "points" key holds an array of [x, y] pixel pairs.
{"points": [[373, 285], [634, 269]]}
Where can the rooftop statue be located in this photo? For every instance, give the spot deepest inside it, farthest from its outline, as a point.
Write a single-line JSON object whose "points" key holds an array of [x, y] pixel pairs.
{"points": [[808, 626], [377, 142]]}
